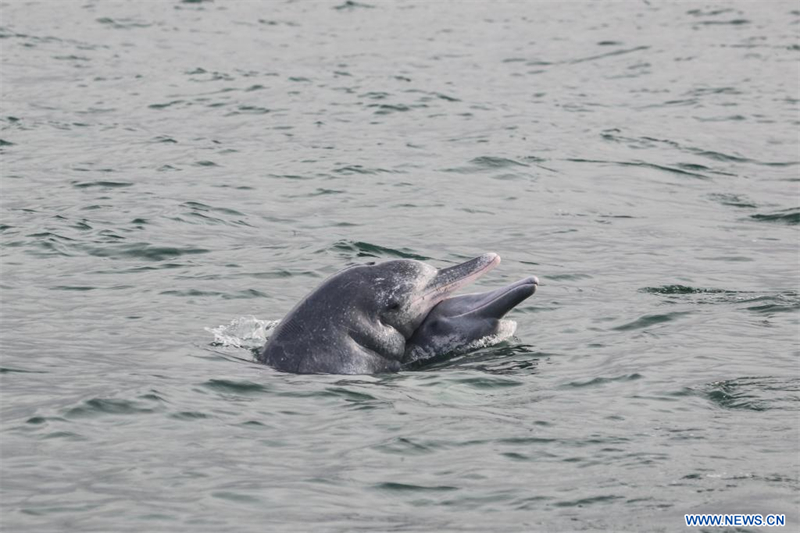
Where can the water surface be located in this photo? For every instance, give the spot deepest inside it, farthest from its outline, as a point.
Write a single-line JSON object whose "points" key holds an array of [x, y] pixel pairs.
{"points": [[172, 167]]}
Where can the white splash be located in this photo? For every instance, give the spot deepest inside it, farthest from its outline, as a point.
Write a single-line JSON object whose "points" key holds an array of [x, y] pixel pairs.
{"points": [[243, 332], [505, 330]]}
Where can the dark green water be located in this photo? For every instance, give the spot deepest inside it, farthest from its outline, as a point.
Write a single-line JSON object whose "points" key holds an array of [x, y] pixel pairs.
{"points": [[172, 167]]}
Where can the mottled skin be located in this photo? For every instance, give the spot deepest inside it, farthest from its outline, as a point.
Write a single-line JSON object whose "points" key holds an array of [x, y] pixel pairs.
{"points": [[456, 323], [358, 320]]}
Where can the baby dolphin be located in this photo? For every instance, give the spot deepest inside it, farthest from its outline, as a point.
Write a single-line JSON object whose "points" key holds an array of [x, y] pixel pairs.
{"points": [[358, 320], [456, 323]]}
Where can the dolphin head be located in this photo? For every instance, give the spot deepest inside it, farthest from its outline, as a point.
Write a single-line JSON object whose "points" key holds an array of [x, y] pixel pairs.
{"points": [[402, 292], [358, 320], [457, 322]]}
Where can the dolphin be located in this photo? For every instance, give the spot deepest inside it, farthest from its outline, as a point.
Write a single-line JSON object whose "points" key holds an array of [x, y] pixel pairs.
{"points": [[455, 324], [358, 320]]}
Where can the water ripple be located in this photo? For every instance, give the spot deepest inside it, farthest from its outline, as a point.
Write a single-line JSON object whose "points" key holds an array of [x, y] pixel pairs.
{"points": [[365, 249], [755, 393], [236, 387], [108, 406], [651, 320], [484, 163], [786, 216], [683, 289], [144, 251], [392, 486]]}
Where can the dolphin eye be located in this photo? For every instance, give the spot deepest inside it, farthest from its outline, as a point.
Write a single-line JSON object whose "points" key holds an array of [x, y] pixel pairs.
{"points": [[394, 305]]}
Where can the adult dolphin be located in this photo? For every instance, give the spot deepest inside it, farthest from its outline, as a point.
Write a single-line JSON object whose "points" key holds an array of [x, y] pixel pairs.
{"points": [[454, 326], [358, 320]]}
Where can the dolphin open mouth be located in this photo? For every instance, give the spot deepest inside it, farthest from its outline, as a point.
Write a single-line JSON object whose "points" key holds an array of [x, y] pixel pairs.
{"points": [[449, 280], [461, 323]]}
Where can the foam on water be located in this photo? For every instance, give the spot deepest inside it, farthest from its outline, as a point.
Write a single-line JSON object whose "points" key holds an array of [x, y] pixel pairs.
{"points": [[243, 332], [506, 330]]}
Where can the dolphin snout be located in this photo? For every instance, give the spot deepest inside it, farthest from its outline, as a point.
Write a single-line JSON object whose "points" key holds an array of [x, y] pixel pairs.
{"points": [[449, 280], [531, 281]]}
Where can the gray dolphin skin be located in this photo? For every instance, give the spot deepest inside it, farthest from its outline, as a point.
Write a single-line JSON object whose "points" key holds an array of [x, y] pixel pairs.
{"points": [[358, 320], [453, 325]]}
